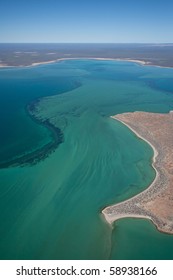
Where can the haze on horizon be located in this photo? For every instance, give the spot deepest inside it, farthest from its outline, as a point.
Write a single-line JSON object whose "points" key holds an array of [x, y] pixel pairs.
{"points": [[91, 21]]}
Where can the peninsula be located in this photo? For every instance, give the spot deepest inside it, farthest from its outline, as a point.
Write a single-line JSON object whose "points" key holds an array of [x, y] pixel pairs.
{"points": [[156, 202]]}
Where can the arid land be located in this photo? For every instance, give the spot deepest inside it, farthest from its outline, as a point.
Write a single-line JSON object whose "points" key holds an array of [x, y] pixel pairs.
{"points": [[20, 55], [156, 202]]}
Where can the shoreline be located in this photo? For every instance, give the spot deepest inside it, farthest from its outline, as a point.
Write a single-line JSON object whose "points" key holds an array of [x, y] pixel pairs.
{"points": [[120, 216], [34, 64], [141, 137], [144, 205]]}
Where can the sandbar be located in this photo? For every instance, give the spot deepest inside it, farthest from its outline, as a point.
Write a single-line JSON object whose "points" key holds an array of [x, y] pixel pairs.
{"points": [[156, 202]]}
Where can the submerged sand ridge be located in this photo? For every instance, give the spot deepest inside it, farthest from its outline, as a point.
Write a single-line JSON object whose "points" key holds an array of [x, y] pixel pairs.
{"points": [[156, 202]]}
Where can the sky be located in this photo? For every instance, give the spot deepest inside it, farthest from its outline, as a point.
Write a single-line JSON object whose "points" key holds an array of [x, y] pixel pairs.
{"points": [[86, 21]]}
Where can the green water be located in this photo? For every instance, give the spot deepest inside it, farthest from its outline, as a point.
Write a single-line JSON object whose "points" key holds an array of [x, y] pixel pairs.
{"points": [[51, 210], [134, 239]]}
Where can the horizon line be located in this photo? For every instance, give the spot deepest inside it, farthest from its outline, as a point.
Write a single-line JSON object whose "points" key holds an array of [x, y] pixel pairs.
{"points": [[166, 43]]}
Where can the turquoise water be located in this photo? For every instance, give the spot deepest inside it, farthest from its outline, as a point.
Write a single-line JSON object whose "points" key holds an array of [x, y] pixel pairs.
{"points": [[51, 210], [134, 239]]}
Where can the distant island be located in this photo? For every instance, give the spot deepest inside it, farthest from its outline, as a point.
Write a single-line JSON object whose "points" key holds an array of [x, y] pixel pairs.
{"points": [[34, 54], [156, 202]]}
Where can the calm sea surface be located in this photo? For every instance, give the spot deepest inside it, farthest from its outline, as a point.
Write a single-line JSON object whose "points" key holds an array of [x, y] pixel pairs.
{"points": [[52, 210]]}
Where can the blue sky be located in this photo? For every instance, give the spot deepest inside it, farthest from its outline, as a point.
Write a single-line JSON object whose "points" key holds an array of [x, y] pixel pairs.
{"points": [[86, 21]]}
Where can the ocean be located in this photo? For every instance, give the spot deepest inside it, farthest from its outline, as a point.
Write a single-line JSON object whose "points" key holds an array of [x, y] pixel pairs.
{"points": [[50, 206]]}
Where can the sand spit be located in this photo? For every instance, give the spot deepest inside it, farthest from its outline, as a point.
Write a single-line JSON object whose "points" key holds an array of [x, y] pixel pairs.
{"points": [[156, 202]]}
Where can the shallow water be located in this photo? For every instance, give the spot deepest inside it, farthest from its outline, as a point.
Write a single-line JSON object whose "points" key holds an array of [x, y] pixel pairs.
{"points": [[138, 239], [51, 210]]}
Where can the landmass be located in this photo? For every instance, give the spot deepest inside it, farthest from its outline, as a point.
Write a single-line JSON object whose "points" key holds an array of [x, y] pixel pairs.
{"points": [[156, 202], [15, 55]]}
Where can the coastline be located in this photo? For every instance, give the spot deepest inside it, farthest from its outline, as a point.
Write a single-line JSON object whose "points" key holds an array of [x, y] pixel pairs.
{"points": [[139, 136], [127, 215], [141, 62], [145, 204]]}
